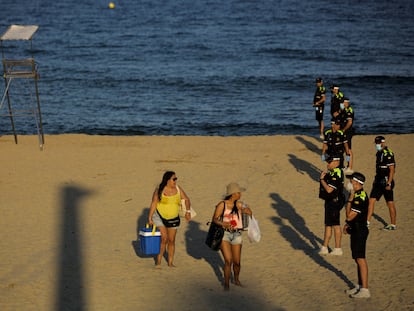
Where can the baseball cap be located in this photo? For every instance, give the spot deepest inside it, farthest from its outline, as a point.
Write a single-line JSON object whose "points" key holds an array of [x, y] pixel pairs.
{"points": [[318, 80], [379, 139]]}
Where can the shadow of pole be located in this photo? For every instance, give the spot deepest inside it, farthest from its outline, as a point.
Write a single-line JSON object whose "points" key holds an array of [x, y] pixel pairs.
{"points": [[299, 235], [70, 290]]}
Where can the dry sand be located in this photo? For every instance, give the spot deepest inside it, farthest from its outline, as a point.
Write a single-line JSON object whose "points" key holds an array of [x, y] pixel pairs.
{"points": [[70, 215]]}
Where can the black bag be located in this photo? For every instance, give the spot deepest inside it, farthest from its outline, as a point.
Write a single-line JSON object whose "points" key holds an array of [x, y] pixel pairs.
{"points": [[214, 236], [173, 222]]}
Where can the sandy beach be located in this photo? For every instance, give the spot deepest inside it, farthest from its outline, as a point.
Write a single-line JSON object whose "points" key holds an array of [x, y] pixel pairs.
{"points": [[70, 216]]}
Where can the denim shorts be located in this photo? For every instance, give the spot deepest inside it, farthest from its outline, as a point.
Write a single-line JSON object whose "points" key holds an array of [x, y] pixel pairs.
{"points": [[156, 219], [234, 238]]}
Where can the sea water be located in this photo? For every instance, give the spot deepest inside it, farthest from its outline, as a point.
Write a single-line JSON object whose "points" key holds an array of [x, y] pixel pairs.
{"points": [[210, 67]]}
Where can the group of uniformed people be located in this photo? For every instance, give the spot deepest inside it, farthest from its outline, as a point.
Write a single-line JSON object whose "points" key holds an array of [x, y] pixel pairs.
{"points": [[359, 206]]}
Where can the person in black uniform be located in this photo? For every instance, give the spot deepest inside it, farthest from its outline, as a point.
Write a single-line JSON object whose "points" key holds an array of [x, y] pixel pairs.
{"points": [[336, 100], [347, 120], [384, 181], [356, 226], [334, 142], [331, 191], [319, 104]]}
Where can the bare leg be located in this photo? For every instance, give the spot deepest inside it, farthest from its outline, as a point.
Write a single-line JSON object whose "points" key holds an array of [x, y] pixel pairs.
{"points": [[236, 251], [371, 208], [163, 245], [171, 245], [327, 235], [338, 236], [393, 212], [362, 272], [227, 255]]}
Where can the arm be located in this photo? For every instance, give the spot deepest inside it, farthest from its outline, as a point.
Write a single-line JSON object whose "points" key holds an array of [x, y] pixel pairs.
{"points": [[153, 206], [390, 176], [324, 184], [321, 101], [348, 124], [217, 216], [187, 203], [350, 216]]}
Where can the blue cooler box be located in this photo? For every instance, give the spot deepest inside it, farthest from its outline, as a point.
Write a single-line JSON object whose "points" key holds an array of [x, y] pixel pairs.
{"points": [[150, 240]]}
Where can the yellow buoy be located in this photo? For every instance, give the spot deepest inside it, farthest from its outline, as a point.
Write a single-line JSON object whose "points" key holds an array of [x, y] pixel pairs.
{"points": [[111, 5]]}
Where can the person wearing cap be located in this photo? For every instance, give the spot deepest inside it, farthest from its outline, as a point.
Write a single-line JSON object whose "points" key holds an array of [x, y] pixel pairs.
{"points": [[331, 191], [335, 143], [228, 214], [384, 183], [319, 104], [336, 100], [356, 226]]}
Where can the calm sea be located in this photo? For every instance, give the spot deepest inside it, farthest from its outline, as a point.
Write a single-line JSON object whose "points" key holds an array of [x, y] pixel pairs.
{"points": [[210, 67]]}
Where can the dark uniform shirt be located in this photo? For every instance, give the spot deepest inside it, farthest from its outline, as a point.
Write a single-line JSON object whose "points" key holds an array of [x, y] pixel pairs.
{"points": [[385, 158], [335, 180], [336, 101], [319, 93], [345, 115], [335, 142], [359, 205]]}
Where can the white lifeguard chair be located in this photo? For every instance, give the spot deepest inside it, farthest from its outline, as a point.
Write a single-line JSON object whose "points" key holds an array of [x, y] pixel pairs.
{"points": [[22, 70]]}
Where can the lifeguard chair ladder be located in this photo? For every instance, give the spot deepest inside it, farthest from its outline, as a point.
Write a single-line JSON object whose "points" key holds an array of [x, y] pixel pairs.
{"points": [[21, 69]]}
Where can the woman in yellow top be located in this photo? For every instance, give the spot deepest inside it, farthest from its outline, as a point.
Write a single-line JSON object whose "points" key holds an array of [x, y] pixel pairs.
{"points": [[165, 204]]}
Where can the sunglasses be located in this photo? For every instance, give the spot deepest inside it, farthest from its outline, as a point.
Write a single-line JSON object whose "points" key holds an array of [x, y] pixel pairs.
{"points": [[175, 179]]}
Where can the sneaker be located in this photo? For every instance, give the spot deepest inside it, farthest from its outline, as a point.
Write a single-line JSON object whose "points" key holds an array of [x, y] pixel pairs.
{"points": [[362, 293], [390, 227], [336, 252], [323, 251], [352, 291]]}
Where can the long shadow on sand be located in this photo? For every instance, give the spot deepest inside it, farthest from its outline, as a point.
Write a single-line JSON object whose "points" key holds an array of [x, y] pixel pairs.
{"points": [[303, 167], [70, 287], [293, 228], [310, 145], [196, 248]]}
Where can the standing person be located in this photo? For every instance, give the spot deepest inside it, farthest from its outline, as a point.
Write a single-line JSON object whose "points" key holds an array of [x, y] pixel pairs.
{"points": [[384, 181], [228, 214], [356, 226], [165, 205], [347, 121], [331, 190], [335, 143], [319, 104], [336, 100]]}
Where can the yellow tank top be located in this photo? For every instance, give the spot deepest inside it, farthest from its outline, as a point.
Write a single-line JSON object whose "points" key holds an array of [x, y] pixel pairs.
{"points": [[169, 206]]}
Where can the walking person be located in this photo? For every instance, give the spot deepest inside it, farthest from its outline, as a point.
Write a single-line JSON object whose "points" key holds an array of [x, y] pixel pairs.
{"points": [[319, 104], [356, 226], [228, 214], [384, 182], [164, 213], [331, 191]]}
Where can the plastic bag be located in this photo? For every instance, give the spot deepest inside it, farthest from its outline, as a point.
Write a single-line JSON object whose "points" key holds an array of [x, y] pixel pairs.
{"points": [[253, 230]]}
